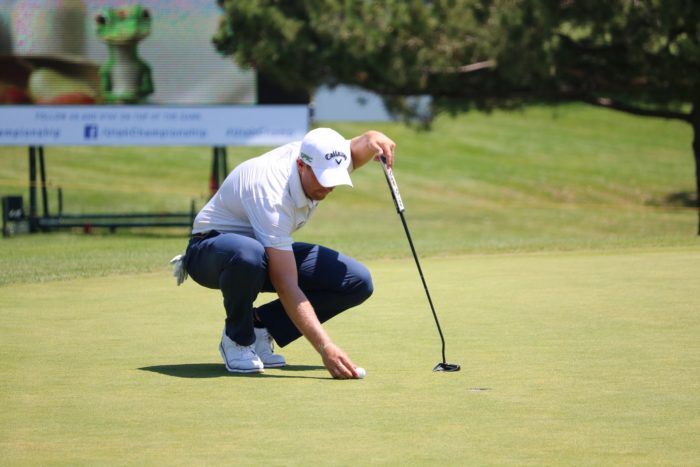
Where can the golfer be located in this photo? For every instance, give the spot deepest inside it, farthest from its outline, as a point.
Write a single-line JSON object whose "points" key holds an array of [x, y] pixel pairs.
{"points": [[242, 244]]}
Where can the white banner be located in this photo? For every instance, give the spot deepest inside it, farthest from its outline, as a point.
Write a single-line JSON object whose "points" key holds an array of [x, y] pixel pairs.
{"points": [[143, 125]]}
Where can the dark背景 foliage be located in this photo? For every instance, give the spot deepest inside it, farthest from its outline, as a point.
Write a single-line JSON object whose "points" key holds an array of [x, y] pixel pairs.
{"points": [[637, 56]]}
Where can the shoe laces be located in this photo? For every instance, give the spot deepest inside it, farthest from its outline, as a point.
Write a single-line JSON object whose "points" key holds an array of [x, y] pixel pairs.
{"points": [[245, 349], [270, 341]]}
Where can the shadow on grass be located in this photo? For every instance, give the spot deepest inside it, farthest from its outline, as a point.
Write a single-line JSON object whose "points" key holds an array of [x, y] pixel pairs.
{"points": [[680, 199], [217, 370]]}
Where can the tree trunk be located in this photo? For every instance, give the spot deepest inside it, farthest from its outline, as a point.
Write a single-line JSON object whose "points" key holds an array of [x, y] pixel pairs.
{"points": [[695, 121]]}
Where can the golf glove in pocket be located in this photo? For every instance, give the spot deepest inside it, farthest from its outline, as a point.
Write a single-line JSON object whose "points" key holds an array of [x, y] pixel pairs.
{"points": [[179, 270]]}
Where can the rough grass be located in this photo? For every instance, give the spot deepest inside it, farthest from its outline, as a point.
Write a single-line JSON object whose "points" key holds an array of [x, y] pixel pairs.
{"points": [[564, 178]]}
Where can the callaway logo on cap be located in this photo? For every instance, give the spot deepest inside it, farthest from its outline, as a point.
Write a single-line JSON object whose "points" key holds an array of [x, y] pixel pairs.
{"points": [[328, 155]]}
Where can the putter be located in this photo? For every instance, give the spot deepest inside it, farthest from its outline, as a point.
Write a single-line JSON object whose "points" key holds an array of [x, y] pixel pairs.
{"points": [[389, 174]]}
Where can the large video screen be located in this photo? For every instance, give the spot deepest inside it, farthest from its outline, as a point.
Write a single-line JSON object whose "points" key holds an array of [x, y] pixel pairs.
{"points": [[132, 65]]}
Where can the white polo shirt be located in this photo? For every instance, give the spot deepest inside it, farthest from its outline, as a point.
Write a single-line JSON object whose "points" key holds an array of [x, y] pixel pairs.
{"points": [[262, 198]]}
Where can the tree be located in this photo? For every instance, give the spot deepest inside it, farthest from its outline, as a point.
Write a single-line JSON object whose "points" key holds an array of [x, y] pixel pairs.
{"points": [[640, 57], [635, 56]]}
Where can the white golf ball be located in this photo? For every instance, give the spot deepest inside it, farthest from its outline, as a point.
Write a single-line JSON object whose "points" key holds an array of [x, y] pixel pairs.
{"points": [[361, 373]]}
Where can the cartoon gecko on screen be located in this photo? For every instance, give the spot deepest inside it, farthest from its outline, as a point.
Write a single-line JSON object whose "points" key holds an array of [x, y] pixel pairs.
{"points": [[124, 78]]}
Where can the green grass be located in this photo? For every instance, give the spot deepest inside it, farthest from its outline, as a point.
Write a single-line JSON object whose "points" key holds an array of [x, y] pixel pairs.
{"points": [[587, 358], [559, 250], [564, 178]]}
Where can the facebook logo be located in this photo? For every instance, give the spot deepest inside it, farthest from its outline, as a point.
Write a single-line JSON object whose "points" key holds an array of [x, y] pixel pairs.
{"points": [[90, 132]]}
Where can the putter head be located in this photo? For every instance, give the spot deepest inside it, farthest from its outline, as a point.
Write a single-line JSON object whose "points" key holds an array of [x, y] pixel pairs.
{"points": [[446, 367]]}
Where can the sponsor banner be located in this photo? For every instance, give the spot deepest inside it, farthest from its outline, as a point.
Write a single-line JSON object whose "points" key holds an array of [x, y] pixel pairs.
{"points": [[137, 125]]}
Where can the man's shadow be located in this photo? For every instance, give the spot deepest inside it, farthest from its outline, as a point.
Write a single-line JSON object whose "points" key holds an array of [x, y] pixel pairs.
{"points": [[217, 370]]}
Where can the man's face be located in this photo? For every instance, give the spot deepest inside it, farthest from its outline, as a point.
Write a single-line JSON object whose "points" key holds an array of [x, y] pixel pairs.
{"points": [[312, 188]]}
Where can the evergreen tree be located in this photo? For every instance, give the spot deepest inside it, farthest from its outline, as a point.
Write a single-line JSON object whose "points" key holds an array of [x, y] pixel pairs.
{"points": [[636, 56]]}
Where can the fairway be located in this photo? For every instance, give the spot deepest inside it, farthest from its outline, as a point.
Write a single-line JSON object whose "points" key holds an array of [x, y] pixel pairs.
{"points": [[568, 358]]}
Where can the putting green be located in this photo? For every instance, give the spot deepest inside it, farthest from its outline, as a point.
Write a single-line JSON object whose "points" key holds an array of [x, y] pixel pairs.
{"points": [[567, 358]]}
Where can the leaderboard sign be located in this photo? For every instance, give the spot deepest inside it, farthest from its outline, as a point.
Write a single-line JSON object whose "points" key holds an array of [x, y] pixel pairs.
{"points": [[143, 125]]}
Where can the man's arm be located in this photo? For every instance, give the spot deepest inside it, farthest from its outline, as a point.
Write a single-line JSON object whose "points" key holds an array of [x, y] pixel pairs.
{"points": [[283, 273], [369, 145]]}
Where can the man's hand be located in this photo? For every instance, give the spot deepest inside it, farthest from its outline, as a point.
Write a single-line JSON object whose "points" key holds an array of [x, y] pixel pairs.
{"points": [[371, 145], [382, 146], [337, 362], [282, 269]]}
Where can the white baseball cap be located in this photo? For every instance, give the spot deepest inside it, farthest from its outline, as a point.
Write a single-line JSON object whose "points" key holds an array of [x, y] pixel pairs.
{"points": [[328, 155]]}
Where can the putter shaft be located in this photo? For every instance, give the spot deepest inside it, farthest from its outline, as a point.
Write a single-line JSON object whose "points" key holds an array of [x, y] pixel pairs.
{"points": [[398, 202]]}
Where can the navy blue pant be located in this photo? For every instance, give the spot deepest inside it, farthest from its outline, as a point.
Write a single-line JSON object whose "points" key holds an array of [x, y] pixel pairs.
{"points": [[237, 265]]}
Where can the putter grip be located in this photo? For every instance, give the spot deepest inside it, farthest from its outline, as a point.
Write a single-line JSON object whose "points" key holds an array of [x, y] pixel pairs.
{"points": [[389, 174]]}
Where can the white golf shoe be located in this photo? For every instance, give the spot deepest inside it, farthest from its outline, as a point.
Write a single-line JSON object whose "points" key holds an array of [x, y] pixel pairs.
{"points": [[239, 358], [265, 350]]}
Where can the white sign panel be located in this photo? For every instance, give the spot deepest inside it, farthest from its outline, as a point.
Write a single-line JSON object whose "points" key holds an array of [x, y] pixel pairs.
{"points": [[143, 125]]}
